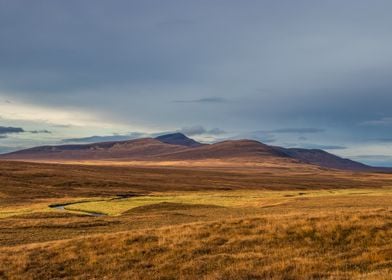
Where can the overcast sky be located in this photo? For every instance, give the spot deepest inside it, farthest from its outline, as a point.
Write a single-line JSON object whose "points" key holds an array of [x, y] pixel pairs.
{"points": [[298, 73]]}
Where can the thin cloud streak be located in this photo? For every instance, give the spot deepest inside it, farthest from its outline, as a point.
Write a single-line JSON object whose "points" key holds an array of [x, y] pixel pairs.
{"points": [[8, 130], [296, 130], [199, 130], [204, 100]]}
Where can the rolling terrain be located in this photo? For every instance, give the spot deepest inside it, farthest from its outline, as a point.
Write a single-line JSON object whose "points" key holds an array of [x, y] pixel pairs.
{"points": [[181, 222], [178, 147], [157, 209]]}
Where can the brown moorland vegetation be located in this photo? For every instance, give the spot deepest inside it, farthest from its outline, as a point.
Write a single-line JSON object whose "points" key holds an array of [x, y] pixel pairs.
{"points": [[307, 223]]}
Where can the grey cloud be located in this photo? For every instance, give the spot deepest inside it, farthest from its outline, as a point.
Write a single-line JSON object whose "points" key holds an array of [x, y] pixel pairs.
{"points": [[386, 121], [256, 135], [199, 130], [323, 147], [216, 131], [6, 149], [44, 131], [176, 22], [62, 125], [267, 140], [306, 64], [297, 130], [204, 100], [269, 136], [380, 157], [375, 160], [386, 140], [8, 130], [189, 131], [107, 138]]}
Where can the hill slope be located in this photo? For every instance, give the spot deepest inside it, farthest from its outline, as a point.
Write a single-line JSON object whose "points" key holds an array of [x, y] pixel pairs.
{"points": [[179, 147], [324, 159], [178, 139], [247, 149], [144, 148]]}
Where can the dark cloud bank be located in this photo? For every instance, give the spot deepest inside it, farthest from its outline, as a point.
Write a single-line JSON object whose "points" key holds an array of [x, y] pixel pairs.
{"points": [[8, 130], [238, 66]]}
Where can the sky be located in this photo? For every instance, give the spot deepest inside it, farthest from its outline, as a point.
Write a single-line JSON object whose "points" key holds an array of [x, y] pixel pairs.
{"points": [[304, 73]]}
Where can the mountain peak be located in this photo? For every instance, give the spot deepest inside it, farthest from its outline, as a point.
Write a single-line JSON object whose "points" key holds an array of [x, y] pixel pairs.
{"points": [[178, 138]]}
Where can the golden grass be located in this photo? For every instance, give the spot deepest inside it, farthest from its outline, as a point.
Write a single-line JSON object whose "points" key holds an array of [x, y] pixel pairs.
{"points": [[209, 163], [240, 198], [327, 245], [205, 222], [243, 198], [22, 183], [40, 206]]}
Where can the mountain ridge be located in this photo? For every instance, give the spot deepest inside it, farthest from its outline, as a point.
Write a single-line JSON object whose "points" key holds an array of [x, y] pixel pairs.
{"points": [[177, 146]]}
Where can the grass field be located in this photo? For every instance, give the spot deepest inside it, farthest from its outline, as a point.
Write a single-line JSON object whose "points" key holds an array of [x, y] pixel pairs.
{"points": [[243, 198], [193, 223]]}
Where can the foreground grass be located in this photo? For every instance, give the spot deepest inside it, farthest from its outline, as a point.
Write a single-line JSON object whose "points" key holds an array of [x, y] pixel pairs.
{"points": [[326, 245]]}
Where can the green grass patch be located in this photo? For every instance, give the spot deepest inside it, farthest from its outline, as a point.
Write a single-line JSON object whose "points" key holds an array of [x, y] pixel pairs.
{"points": [[245, 198]]}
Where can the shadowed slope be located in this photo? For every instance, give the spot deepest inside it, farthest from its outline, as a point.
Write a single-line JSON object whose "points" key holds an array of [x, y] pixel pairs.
{"points": [[324, 159], [133, 149], [178, 139]]}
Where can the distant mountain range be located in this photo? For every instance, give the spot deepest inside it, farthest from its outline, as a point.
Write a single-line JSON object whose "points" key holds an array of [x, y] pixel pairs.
{"points": [[177, 146]]}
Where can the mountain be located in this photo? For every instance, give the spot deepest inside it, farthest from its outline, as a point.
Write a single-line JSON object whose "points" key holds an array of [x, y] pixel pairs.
{"points": [[178, 139], [166, 147], [179, 147], [324, 159], [143, 148], [246, 149]]}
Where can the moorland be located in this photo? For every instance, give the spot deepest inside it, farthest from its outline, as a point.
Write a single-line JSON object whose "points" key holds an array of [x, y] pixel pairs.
{"points": [[193, 221]]}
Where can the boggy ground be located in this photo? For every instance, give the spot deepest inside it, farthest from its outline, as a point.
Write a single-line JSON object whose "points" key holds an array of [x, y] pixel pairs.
{"points": [[193, 223]]}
